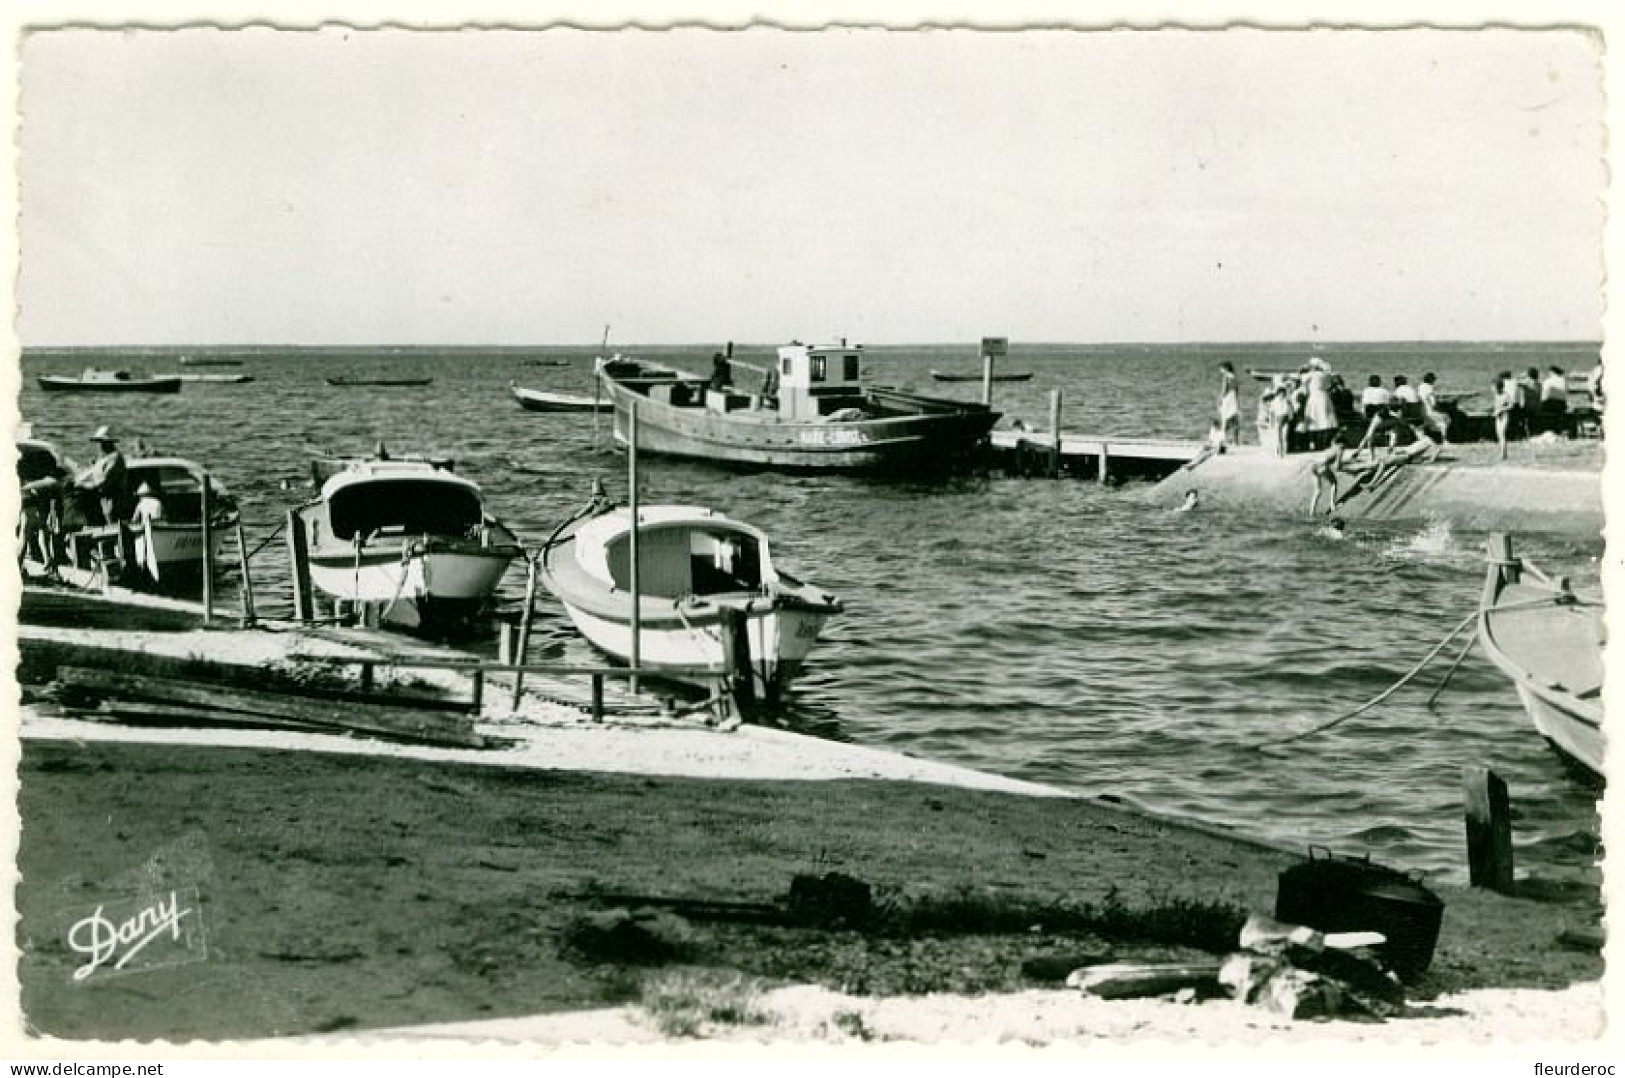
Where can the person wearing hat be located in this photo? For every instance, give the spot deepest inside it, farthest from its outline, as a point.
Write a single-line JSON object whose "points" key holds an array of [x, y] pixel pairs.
{"points": [[1319, 410], [149, 503], [105, 476]]}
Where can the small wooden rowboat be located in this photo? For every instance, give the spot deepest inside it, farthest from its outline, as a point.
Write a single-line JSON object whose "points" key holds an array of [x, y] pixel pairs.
{"points": [[98, 381], [538, 400], [220, 379], [394, 382], [698, 571], [1548, 640], [209, 361], [998, 376]]}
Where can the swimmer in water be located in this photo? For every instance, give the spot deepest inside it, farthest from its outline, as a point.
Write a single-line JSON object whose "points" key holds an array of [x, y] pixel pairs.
{"points": [[1191, 498], [1333, 529]]}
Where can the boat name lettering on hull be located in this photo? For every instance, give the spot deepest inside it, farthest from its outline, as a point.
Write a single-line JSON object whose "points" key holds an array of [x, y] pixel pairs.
{"points": [[837, 436]]}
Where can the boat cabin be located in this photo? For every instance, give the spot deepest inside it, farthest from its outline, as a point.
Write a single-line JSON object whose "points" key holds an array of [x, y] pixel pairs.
{"points": [[400, 497], [817, 380], [687, 557], [178, 486]]}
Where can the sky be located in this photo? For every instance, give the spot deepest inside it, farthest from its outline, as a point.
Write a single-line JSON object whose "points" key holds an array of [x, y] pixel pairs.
{"points": [[484, 187]]}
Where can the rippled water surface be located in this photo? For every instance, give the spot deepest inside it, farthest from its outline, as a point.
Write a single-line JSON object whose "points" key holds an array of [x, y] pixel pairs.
{"points": [[1054, 631]]}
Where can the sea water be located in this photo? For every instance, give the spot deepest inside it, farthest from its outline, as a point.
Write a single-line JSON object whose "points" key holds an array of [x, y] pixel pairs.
{"points": [[1062, 632]]}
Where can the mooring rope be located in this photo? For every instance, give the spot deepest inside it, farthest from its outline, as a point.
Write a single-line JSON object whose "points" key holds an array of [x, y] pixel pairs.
{"points": [[1409, 676], [267, 541]]}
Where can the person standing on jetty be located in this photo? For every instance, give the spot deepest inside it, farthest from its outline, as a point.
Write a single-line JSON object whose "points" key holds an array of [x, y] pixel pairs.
{"points": [[1554, 400], [1506, 404], [105, 476], [1229, 404], [1433, 418], [1375, 396], [1319, 410], [1525, 405]]}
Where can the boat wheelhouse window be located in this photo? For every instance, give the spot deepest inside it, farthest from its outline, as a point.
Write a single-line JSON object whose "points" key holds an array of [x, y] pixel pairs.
{"points": [[817, 374], [784, 365], [849, 368], [404, 506]]}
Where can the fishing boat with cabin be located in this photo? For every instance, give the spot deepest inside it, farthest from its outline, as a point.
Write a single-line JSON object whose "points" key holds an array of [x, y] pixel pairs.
{"points": [[410, 537], [812, 411], [1548, 639], [100, 381], [706, 589]]}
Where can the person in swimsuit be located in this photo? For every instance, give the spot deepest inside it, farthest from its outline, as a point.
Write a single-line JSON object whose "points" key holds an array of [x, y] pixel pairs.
{"points": [[1324, 474], [1505, 408]]}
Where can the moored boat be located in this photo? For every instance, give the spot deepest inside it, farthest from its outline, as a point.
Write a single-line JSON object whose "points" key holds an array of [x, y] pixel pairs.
{"points": [[539, 400], [341, 380], [210, 361], [223, 379], [698, 571], [93, 380], [997, 376], [1548, 640], [169, 549], [410, 536], [811, 412]]}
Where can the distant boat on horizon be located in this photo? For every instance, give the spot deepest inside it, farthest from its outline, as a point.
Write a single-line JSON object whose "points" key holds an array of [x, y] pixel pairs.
{"points": [[396, 382]]}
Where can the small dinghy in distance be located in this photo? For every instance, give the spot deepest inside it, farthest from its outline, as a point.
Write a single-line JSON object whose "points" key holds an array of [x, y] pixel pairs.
{"points": [[395, 383], [538, 400], [696, 569], [1548, 639], [1005, 376]]}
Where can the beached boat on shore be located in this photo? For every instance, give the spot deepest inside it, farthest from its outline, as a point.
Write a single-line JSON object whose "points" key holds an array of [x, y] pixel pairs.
{"points": [[1548, 639], [697, 570], [811, 412], [540, 400], [408, 535], [100, 381]]}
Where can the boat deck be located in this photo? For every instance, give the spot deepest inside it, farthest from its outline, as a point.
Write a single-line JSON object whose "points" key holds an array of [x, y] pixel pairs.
{"points": [[1545, 639]]}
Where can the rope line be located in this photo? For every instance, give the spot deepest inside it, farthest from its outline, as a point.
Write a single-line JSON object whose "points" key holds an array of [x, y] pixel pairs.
{"points": [[1409, 676]]}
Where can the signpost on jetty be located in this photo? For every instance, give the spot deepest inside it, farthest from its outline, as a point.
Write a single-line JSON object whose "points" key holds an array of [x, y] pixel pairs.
{"points": [[992, 348]]}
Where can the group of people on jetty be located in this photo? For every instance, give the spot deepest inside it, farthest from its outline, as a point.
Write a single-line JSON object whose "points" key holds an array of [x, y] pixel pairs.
{"points": [[57, 497], [1313, 409]]}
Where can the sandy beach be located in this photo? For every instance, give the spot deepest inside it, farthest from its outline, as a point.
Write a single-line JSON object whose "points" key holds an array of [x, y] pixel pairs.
{"points": [[347, 894]]}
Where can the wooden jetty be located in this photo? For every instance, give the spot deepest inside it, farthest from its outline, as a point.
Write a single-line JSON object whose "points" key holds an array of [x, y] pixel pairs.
{"points": [[1089, 456]]}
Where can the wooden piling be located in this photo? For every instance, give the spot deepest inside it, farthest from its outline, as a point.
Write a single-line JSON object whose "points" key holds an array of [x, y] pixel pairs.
{"points": [[1105, 463], [1055, 433], [736, 659], [632, 538], [987, 379], [1489, 830], [1500, 545], [206, 498], [505, 643], [249, 616], [522, 645], [299, 565], [597, 697], [126, 550]]}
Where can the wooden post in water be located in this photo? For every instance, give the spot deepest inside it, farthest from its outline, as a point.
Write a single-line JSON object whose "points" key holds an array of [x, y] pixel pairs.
{"points": [[632, 505], [1105, 463], [736, 659], [1055, 433], [1500, 545], [522, 647], [597, 697], [1489, 830], [248, 579], [299, 566], [206, 512], [126, 550]]}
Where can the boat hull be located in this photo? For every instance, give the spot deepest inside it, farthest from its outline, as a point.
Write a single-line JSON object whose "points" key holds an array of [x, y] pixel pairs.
{"points": [[1546, 642], [536, 400], [692, 648], [55, 384], [927, 440]]}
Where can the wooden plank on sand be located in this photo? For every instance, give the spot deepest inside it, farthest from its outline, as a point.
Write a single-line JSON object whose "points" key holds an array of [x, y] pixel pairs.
{"points": [[395, 722]]}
